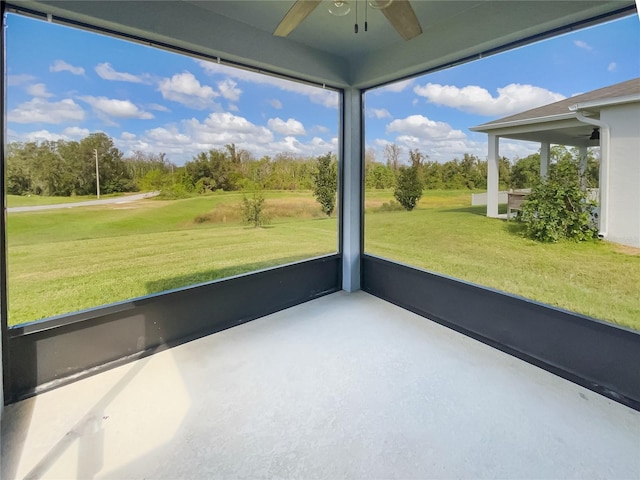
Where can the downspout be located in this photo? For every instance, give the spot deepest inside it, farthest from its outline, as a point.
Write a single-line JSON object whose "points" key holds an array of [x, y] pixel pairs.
{"points": [[604, 167]]}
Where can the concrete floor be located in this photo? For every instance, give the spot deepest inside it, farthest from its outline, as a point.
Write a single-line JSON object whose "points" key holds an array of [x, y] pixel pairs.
{"points": [[346, 386]]}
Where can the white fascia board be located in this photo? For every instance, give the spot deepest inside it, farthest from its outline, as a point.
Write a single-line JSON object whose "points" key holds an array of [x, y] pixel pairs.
{"points": [[523, 122], [594, 104]]}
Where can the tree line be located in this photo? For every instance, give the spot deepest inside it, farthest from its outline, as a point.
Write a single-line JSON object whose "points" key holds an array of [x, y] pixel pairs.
{"points": [[468, 172], [65, 168]]}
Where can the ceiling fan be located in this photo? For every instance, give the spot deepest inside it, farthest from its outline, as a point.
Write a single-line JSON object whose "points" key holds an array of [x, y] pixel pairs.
{"points": [[399, 13], [594, 135]]}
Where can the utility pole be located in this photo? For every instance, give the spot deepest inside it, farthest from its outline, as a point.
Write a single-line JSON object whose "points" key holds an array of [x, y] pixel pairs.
{"points": [[95, 150]]}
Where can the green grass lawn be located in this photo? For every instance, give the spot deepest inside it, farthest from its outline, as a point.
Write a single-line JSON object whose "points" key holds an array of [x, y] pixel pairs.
{"points": [[65, 260], [445, 234]]}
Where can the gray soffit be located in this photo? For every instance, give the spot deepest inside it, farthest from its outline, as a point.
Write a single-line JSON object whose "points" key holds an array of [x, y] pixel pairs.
{"points": [[324, 49]]}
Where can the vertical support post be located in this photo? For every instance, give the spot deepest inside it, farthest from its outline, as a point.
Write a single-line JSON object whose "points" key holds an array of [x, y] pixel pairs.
{"points": [[352, 201], [493, 162], [582, 153], [545, 155]]}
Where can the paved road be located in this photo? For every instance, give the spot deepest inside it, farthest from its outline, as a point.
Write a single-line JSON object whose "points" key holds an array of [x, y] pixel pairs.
{"points": [[124, 199]]}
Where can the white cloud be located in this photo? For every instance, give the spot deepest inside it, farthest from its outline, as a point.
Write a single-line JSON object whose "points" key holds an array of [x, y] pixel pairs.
{"points": [[106, 71], [378, 113], [128, 136], [396, 87], [317, 146], [229, 90], [15, 80], [75, 132], [157, 107], [38, 90], [438, 140], [233, 108], [70, 133], [513, 98], [185, 88], [275, 103], [612, 67], [182, 141], [290, 127], [583, 45], [42, 135], [320, 96], [62, 66], [423, 127], [39, 110], [117, 108], [220, 128]]}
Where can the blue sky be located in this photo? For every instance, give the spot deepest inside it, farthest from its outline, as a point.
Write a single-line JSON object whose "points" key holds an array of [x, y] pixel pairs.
{"points": [[155, 101]]}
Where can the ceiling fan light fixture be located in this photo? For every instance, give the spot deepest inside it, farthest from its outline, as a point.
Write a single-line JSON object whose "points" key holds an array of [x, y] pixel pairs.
{"points": [[380, 4], [339, 8]]}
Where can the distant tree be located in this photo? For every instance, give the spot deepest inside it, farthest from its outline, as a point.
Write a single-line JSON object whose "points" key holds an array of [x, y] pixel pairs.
{"points": [[474, 177], [325, 181], [504, 172], [392, 154], [525, 172], [379, 176], [66, 167], [409, 188], [155, 180], [113, 170], [433, 175], [140, 163]]}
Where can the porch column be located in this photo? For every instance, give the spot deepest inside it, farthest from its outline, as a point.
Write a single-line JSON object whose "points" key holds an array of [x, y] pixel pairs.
{"points": [[545, 154], [492, 175], [582, 153], [352, 204]]}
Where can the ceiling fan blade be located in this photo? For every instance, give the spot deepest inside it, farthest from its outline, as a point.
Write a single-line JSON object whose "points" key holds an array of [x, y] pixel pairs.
{"points": [[401, 15], [294, 17]]}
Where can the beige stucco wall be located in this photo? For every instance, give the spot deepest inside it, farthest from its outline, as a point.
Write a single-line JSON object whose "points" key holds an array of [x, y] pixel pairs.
{"points": [[624, 173]]}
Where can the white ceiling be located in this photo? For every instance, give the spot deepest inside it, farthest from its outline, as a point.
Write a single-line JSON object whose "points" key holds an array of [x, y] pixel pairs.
{"points": [[324, 48]]}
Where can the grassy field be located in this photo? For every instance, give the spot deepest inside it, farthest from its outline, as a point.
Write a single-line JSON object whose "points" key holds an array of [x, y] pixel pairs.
{"points": [[446, 235], [71, 259]]}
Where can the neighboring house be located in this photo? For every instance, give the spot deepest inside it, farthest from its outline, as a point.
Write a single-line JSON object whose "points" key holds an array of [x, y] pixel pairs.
{"points": [[608, 117]]}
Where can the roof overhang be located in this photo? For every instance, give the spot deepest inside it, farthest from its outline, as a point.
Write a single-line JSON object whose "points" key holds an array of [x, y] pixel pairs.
{"points": [[609, 102], [563, 129], [559, 129], [324, 49]]}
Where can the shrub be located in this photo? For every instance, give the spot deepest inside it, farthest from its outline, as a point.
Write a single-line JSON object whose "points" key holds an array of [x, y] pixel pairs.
{"points": [[390, 206], [253, 208], [174, 192], [558, 208], [409, 188]]}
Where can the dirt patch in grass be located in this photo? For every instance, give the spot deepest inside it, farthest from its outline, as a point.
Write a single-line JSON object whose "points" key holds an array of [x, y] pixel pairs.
{"points": [[306, 208], [627, 250], [222, 213], [274, 208]]}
